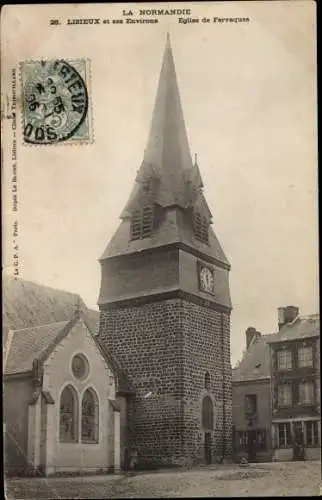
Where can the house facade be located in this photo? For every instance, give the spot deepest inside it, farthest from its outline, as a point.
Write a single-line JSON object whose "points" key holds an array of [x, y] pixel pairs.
{"points": [[251, 390], [276, 391], [295, 368], [165, 301]]}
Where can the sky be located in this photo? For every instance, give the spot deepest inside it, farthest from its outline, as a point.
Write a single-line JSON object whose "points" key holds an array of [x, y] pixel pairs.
{"points": [[248, 92]]}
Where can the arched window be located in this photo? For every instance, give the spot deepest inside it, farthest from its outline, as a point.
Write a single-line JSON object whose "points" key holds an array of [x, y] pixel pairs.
{"points": [[90, 417], [142, 223], [207, 381], [207, 413], [68, 428]]}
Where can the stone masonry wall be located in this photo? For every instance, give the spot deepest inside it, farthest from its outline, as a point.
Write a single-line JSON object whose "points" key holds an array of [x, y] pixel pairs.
{"points": [[205, 352], [165, 348], [146, 342]]}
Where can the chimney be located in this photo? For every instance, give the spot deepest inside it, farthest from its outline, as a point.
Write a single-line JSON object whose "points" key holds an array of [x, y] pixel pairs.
{"points": [[252, 335], [286, 315]]}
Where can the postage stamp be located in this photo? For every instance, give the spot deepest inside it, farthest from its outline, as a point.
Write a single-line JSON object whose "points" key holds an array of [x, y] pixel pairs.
{"points": [[55, 101]]}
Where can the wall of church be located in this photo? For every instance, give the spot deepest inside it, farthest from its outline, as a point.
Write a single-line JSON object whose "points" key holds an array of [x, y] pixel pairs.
{"points": [[16, 398], [137, 274], [57, 374], [165, 347], [122, 404], [204, 351], [146, 340]]}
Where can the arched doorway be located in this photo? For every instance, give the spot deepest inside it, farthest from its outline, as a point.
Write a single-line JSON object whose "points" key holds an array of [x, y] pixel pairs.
{"points": [[208, 425]]}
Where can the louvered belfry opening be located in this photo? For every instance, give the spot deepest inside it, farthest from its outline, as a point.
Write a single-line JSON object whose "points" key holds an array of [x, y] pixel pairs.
{"points": [[142, 223], [200, 227]]}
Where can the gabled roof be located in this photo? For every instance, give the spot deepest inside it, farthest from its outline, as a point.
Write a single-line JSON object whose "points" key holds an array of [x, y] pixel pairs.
{"points": [[38, 342], [301, 327], [37, 318], [255, 363], [27, 304], [31, 343]]}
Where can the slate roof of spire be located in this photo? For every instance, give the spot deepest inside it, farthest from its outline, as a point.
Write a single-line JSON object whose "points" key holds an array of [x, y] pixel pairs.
{"points": [[167, 154], [167, 177]]}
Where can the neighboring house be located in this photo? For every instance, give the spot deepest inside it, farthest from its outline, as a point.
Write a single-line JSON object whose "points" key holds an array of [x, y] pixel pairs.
{"points": [[295, 368], [276, 391], [64, 396], [251, 391]]}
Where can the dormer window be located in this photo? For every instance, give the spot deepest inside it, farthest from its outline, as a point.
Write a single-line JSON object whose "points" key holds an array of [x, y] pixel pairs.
{"points": [[200, 227], [142, 223]]}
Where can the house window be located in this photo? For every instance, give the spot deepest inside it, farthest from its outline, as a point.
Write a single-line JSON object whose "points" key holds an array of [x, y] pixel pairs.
{"points": [[200, 227], [90, 417], [261, 440], [284, 395], [142, 223], [284, 435], [207, 413], [305, 356], [306, 393], [284, 360], [312, 433], [68, 429], [250, 405], [242, 440], [207, 381]]}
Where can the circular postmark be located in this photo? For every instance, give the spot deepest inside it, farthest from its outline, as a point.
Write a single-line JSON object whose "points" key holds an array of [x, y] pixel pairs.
{"points": [[55, 102]]}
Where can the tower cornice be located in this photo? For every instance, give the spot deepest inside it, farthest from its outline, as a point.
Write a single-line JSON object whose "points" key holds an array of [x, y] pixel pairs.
{"points": [[165, 248]]}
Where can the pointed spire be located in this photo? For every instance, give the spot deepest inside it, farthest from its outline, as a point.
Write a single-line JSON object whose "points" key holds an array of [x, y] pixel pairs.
{"points": [[167, 146]]}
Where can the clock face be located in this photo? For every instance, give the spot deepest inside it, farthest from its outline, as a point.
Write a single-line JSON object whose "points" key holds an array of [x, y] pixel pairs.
{"points": [[207, 279]]}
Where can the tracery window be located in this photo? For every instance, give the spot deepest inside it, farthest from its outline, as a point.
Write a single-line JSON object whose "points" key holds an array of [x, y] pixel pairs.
{"points": [[90, 416], [68, 428], [142, 223]]}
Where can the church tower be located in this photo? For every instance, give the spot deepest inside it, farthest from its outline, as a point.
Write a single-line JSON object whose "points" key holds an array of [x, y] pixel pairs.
{"points": [[165, 302]]}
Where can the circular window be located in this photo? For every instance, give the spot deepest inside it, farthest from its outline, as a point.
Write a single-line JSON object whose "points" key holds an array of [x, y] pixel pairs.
{"points": [[80, 366]]}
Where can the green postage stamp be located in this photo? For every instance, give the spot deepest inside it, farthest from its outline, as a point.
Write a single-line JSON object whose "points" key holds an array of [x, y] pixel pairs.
{"points": [[55, 98]]}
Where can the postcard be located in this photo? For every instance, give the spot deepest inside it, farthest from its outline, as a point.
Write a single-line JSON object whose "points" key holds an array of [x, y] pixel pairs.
{"points": [[160, 249]]}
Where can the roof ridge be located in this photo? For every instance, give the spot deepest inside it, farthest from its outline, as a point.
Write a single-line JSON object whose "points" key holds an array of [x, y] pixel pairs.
{"points": [[39, 326], [22, 280]]}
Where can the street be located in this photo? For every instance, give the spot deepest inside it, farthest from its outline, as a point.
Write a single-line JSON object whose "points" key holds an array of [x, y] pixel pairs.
{"points": [[269, 479]]}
